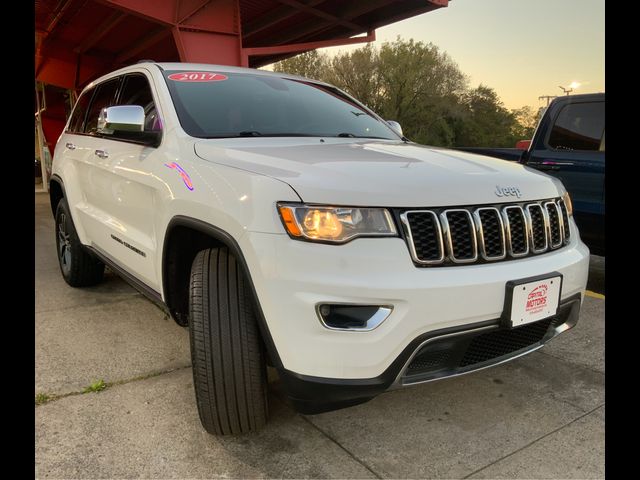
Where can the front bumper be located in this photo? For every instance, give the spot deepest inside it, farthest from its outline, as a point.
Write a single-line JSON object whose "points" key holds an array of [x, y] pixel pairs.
{"points": [[322, 368], [292, 277], [311, 395]]}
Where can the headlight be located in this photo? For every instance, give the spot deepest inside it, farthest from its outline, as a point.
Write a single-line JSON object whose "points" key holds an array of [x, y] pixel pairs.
{"points": [[335, 224], [566, 198]]}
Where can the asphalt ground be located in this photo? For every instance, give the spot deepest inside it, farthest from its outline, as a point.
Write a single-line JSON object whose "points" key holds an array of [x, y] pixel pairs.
{"points": [[540, 416]]}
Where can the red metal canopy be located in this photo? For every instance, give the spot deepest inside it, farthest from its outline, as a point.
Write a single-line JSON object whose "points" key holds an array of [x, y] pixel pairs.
{"points": [[78, 40]]}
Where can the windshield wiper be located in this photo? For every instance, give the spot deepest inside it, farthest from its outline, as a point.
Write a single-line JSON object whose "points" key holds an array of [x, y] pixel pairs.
{"points": [[255, 133], [351, 135]]}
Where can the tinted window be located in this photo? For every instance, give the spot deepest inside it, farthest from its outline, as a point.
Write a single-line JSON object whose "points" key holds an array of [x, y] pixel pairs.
{"points": [[104, 97], [77, 117], [579, 126], [243, 104], [136, 91]]}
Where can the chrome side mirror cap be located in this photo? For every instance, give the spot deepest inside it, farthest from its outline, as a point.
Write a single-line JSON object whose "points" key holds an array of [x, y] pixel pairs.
{"points": [[121, 118], [395, 126]]}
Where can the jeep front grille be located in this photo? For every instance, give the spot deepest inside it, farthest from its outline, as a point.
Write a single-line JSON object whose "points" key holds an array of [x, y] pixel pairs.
{"points": [[451, 236]]}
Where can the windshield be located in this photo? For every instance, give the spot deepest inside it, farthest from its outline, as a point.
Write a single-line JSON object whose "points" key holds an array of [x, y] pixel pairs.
{"points": [[216, 105]]}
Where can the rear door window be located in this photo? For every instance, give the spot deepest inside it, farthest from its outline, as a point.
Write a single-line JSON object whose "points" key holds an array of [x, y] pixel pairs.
{"points": [[579, 126], [77, 117]]}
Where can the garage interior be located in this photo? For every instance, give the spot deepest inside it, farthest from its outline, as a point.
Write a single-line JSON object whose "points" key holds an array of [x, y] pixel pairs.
{"points": [[79, 40]]}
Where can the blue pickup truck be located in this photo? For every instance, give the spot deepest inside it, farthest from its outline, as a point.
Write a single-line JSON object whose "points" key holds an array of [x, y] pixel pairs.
{"points": [[569, 144]]}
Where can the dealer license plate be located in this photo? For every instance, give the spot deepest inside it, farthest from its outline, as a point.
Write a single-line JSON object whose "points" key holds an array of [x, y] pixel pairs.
{"points": [[533, 300]]}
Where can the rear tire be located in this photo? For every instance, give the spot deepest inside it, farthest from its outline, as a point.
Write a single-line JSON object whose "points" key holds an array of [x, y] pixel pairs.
{"points": [[78, 267], [229, 371]]}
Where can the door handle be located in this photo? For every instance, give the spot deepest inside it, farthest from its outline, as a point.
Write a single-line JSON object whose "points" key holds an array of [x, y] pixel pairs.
{"points": [[102, 153], [545, 166], [70, 146], [549, 165]]}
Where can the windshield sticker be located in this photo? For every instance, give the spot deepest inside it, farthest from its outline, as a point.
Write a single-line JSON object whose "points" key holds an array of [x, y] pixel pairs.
{"points": [[197, 77], [185, 176]]}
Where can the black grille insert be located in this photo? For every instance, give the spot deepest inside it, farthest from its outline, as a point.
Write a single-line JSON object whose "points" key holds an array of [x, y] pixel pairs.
{"points": [[538, 228], [492, 233], [492, 345], [517, 230], [565, 220], [554, 224], [461, 234], [486, 233], [426, 235], [453, 354]]}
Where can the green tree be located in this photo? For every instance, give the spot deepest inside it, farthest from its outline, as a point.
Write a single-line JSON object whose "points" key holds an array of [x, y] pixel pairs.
{"points": [[526, 121], [420, 86], [312, 64], [487, 123], [357, 74]]}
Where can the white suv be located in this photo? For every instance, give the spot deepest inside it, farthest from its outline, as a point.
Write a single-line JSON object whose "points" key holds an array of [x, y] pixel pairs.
{"points": [[286, 224]]}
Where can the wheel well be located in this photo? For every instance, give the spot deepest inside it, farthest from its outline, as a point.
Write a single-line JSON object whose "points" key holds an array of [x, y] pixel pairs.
{"points": [[55, 195], [180, 248]]}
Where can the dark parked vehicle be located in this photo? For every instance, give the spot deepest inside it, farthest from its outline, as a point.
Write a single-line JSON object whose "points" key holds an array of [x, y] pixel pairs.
{"points": [[569, 144]]}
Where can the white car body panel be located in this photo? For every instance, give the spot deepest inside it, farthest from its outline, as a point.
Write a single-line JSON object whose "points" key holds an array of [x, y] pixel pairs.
{"points": [[237, 182], [347, 171]]}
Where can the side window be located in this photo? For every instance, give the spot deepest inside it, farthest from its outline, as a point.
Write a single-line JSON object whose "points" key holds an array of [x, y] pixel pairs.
{"points": [[104, 97], [136, 91], [579, 126], [77, 117]]}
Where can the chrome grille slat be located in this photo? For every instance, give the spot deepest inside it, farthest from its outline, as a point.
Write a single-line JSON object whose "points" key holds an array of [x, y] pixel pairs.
{"points": [[460, 247], [425, 236], [490, 232], [566, 228], [538, 228], [446, 236], [555, 224], [516, 228]]}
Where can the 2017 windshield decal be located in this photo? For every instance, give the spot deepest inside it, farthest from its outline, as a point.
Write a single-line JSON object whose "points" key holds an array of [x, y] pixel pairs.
{"points": [[185, 176], [197, 77]]}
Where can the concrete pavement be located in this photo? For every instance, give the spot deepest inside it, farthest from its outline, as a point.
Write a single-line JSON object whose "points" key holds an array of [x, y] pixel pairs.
{"points": [[541, 416]]}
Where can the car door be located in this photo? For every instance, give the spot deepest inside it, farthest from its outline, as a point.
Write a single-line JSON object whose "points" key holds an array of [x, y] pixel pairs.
{"points": [[121, 192], [573, 151], [72, 149]]}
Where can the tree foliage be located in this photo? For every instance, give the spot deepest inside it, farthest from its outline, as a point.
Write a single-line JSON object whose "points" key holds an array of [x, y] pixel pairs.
{"points": [[420, 86]]}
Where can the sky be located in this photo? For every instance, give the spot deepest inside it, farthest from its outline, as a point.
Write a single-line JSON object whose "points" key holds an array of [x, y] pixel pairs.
{"points": [[521, 48]]}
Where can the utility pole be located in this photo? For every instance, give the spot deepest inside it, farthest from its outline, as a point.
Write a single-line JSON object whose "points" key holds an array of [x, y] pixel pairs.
{"points": [[566, 90], [547, 97]]}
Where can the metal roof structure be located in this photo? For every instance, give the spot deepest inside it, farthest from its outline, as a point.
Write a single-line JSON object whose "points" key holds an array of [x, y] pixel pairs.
{"points": [[78, 40]]}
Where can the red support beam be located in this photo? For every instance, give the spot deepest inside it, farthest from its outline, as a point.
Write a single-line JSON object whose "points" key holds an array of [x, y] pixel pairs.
{"points": [[207, 31], [319, 13], [273, 17], [303, 47], [142, 44], [163, 12], [312, 27], [212, 34], [114, 19], [186, 9]]}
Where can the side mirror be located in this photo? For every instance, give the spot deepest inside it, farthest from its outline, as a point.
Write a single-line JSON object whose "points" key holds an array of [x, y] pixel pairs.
{"points": [[395, 126], [121, 118]]}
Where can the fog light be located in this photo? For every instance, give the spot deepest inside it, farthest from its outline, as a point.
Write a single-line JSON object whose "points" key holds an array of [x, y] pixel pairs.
{"points": [[361, 318]]}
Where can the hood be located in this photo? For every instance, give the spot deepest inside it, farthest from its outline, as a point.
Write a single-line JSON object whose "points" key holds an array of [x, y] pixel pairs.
{"points": [[347, 171]]}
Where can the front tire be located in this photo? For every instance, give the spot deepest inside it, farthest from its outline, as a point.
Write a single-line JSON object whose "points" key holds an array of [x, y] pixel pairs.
{"points": [[78, 267], [229, 371]]}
